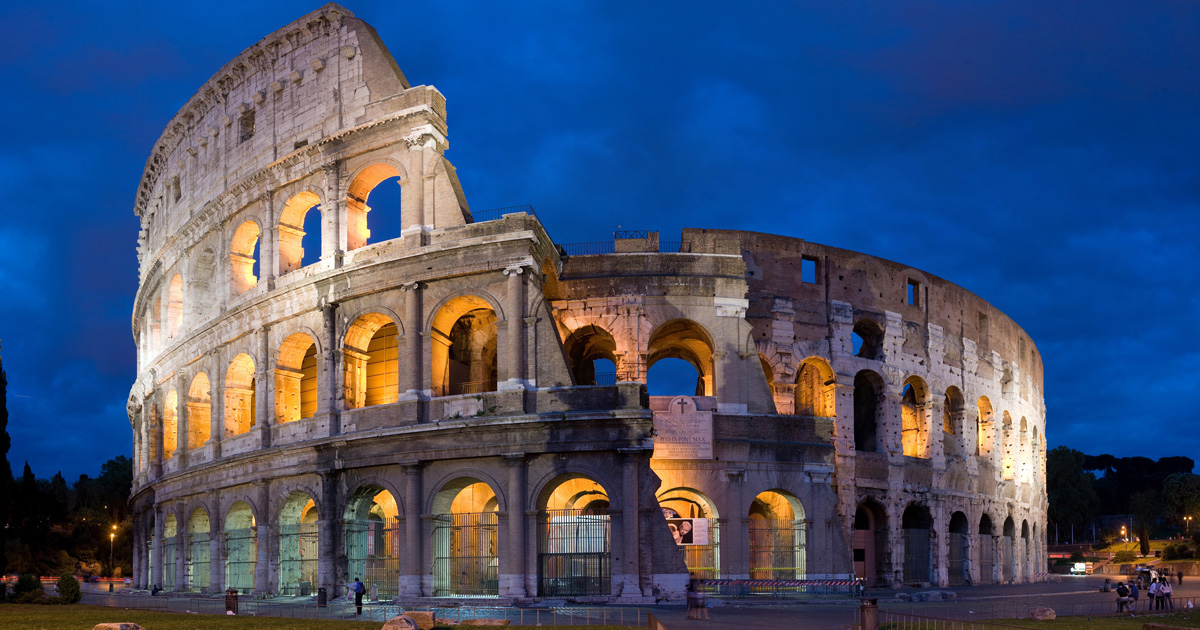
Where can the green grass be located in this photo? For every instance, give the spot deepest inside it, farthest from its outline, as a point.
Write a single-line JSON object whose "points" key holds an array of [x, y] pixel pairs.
{"points": [[80, 617], [1185, 620]]}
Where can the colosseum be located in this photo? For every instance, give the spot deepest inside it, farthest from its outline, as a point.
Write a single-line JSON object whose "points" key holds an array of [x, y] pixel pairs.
{"points": [[459, 407]]}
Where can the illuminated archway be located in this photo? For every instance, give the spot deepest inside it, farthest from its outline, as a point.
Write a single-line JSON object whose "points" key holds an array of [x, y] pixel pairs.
{"points": [[463, 353], [357, 231], [590, 350], [199, 408], [987, 428], [913, 427], [298, 532], [239, 396], [693, 521], [777, 537], [466, 540], [371, 360], [243, 258], [175, 306], [241, 547], [686, 340], [815, 386], [372, 534], [1008, 455], [170, 425], [296, 379], [292, 236], [574, 538], [198, 553], [953, 418], [170, 551]]}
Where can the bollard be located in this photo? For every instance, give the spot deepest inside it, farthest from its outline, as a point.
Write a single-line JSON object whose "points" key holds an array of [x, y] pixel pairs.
{"points": [[231, 601], [869, 611], [322, 596]]}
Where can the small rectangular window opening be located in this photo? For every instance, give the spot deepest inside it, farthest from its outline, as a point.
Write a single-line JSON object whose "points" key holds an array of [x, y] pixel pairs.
{"points": [[914, 293], [246, 126], [808, 270], [1021, 348]]}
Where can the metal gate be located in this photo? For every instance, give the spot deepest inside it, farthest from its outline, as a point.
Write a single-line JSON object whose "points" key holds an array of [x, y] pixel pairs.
{"points": [[916, 555], [297, 559], [373, 554], [465, 560], [169, 563], [197, 567], [704, 561], [987, 560], [958, 565], [777, 549], [574, 553], [1010, 560], [241, 559]]}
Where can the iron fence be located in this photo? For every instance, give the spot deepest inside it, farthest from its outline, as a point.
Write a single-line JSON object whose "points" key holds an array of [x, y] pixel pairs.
{"points": [[704, 561], [957, 559], [889, 620], [587, 249], [472, 387], [373, 553], [606, 378], [169, 561], [465, 558], [574, 556], [777, 549], [674, 247], [739, 589], [498, 213], [241, 559], [198, 563], [298, 559], [916, 555]]}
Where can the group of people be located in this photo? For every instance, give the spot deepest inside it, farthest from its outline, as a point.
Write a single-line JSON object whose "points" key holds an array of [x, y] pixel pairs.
{"points": [[1158, 594]]}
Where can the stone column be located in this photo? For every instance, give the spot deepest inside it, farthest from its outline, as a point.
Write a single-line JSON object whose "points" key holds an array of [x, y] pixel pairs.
{"points": [[327, 402], [411, 564], [735, 529], [264, 386], [216, 547], [181, 425], [264, 524], [216, 431], [513, 584], [333, 217], [411, 382], [328, 534], [182, 548], [136, 535], [268, 266], [156, 466], [629, 522], [512, 364]]}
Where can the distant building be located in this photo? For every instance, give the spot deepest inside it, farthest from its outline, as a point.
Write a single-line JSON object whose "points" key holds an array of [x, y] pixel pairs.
{"points": [[460, 408]]}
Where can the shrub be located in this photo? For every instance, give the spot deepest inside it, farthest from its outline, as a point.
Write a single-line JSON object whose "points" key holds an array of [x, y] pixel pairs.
{"points": [[27, 583], [1125, 556], [68, 589], [1181, 551], [1077, 556]]}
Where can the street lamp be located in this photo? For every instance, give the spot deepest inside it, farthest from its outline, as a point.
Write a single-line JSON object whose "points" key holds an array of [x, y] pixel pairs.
{"points": [[111, 537], [1123, 538], [1188, 521]]}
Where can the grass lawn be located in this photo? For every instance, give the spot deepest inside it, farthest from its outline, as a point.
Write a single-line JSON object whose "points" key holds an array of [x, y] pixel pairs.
{"points": [[80, 617], [1185, 620]]}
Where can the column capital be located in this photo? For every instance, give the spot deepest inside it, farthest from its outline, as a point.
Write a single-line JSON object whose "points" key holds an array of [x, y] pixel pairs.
{"points": [[513, 459], [411, 286]]}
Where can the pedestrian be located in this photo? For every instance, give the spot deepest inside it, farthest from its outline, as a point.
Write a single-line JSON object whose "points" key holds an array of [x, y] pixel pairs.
{"points": [[1152, 594], [1122, 596], [1166, 591], [358, 589], [1133, 595], [691, 600], [1180, 577]]}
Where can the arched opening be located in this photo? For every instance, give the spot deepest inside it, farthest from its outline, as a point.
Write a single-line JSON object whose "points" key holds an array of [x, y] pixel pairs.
{"points": [[170, 551], [296, 379], [959, 540], [198, 556], [869, 543], [866, 340], [170, 425], [382, 183], [298, 532], [300, 225], [199, 408], [916, 524], [202, 296], [466, 543], [239, 396], [175, 306], [913, 427], [574, 539], [372, 534], [1026, 549], [692, 519], [953, 413], [685, 340], [987, 428], [371, 360], [987, 551], [1008, 548], [156, 340], [592, 352], [868, 390], [241, 548], [243, 258], [777, 537], [464, 347], [1008, 455], [815, 384]]}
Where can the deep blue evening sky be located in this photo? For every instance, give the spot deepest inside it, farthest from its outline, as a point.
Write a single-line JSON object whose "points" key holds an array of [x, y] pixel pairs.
{"points": [[1041, 154]]}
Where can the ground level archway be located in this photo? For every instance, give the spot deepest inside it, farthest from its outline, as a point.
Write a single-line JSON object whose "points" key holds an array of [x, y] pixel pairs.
{"points": [[574, 539]]}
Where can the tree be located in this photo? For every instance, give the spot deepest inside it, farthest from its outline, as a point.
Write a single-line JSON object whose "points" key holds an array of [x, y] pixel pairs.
{"points": [[1181, 492], [1070, 490]]}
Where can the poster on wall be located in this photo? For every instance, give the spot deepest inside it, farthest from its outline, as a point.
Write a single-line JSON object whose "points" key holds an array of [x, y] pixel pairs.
{"points": [[683, 431], [689, 531]]}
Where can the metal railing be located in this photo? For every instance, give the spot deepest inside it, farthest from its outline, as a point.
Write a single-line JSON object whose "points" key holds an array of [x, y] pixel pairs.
{"points": [[473, 387], [674, 247], [609, 247], [738, 589], [631, 234], [1009, 609], [909, 621], [498, 213], [375, 611]]}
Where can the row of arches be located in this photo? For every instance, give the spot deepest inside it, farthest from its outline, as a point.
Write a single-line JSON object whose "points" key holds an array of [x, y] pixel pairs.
{"points": [[299, 239], [975, 553]]}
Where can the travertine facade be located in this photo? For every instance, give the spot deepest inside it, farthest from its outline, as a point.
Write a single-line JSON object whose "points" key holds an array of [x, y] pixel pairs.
{"points": [[429, 412]]}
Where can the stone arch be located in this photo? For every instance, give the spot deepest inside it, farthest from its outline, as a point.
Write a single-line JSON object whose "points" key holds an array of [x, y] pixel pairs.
{"points": [[815, 388], [170, 424], [1023, 453], [243, 257], [241, 542], [156, 328], [175, 306], [202, 297], [958, 537], [296, 382], [987, 428], [870, 542], [466, 537], [464, 345], [687, 340], [869, 390], [585, 346], [987, 550], [298, 550], [777, 536], [914, 429], [954, 433], [371, 360], [199, 406], [199, 534], [694, 522], [917, 527], [171, 550], [868, 336], [361, 184], [1008, 549], [240, 396], [1008, 455], [574, 537], [291, 229], [372, 535]]}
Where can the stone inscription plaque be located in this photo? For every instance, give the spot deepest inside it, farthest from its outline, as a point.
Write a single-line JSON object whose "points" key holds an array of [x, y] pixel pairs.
{"points": [[683, 431]]}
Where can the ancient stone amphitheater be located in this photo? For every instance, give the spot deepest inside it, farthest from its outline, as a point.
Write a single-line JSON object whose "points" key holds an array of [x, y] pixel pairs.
{"points": [[459, 408]]}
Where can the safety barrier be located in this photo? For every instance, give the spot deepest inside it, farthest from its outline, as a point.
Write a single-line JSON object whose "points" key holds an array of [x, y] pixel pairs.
{"points": [[780, 588]]}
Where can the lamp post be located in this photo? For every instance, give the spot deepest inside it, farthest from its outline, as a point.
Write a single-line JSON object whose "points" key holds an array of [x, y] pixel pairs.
{"points": [[1188, 521], [112, 536]]}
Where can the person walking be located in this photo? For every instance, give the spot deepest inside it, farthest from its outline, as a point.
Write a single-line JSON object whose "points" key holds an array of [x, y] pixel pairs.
{"points": [[1133, 595], [1179, 576], [1166, 591], [358, 589]]}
